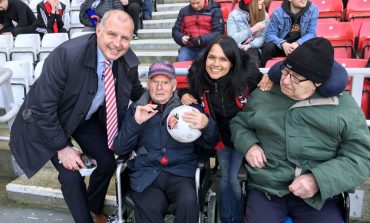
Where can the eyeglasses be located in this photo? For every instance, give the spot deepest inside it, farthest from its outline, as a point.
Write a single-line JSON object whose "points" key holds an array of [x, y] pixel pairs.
{"points": [[293, 78]]}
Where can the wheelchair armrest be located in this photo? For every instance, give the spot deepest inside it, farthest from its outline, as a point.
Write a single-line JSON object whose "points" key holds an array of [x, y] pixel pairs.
{"points": [[203, 158], [242, 174]]}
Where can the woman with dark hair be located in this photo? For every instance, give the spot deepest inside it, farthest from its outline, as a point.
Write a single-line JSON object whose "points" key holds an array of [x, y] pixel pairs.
{"points": [[221, 79], [246, 25]]}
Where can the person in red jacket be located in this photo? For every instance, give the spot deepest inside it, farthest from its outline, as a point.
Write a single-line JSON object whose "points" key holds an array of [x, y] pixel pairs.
{"points": [[197, 25]]}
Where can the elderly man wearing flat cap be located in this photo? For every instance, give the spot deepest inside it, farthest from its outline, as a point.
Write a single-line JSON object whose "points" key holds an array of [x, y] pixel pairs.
{"points": [[163, 169], [302, 149]]}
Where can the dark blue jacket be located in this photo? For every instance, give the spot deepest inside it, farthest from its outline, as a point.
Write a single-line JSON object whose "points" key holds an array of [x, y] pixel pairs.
{"points": [[151, 142]]}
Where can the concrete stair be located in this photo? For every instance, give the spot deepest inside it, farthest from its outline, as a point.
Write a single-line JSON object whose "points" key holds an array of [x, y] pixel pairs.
{"points": [[156, 40]]}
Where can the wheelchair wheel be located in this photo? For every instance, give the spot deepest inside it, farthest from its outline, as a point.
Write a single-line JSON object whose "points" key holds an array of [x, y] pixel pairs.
{"points": [[212, 208]]}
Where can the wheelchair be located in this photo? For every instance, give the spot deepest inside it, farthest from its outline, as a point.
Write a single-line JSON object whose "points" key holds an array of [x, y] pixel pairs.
{"points": [[243, 179], [205, 195]]}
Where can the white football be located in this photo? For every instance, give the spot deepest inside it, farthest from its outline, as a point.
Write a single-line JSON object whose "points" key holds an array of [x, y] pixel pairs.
{"points": [[178, 128]]}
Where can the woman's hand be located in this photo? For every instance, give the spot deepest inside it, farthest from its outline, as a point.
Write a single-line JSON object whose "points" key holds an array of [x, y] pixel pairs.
{"points": [[188, 99], [265, 84]]}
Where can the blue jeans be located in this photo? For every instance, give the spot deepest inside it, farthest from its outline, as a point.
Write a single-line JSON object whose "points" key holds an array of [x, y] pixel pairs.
{"points": [[147, 8], [187, 53], [229, 189]]}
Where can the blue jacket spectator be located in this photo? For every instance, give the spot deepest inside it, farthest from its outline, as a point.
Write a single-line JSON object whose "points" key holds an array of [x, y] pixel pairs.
{"points": [[290, 26]]}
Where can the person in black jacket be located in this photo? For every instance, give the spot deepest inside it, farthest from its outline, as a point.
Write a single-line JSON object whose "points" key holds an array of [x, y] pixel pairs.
{"points": [[19, 12], [221, 79], [49, 17], [132, 7], [163, 170], [68, 102]]}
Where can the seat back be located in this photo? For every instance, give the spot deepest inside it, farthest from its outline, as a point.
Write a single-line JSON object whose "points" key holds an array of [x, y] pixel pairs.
{"points": [[26, 47], [53, 39], [364, 40], [273, 6], [273, 61], [80, 33], [21, 79], [332, 10], [341, 36], [21, 70], [6, 44], [357, 8]]}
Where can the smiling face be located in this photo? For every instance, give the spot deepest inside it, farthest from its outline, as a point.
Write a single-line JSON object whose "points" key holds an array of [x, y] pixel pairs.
{"points": [[114, 34], [217, 64]]}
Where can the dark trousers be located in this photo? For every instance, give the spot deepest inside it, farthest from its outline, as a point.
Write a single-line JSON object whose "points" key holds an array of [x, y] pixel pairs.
{"points": [[92, 139], [275, 209], [270, 50], [152, 204], [133, 9]]}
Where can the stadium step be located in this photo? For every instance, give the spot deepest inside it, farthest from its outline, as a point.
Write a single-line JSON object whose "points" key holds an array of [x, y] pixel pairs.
{"points": [[159, 24], [154, 44], [165, 15], [155, 34]]}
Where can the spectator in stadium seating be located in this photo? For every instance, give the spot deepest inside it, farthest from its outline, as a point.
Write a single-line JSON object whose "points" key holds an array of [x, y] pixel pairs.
{"points": [[92, 11], [74, 99], [163, 170], [302, 149], [290, 26], [50, 17], [197, 24], [147, 9], [221, 79], [132, 7], [19, 12], [246, 25]]}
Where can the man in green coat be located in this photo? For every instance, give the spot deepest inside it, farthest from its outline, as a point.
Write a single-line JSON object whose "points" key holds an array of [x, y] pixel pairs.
{"points": [[302, 149]]}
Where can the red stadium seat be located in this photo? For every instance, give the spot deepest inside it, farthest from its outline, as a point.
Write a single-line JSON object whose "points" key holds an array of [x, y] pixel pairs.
{"points": [[358, 11], [341, 36], [273, 6], [364, 40], [273, 61], [358, 63], [226, 6], [182, 81], [329, 9]]}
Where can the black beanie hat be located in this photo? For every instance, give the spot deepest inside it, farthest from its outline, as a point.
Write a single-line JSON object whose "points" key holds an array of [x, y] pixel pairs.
{"points": [[313, 60]]}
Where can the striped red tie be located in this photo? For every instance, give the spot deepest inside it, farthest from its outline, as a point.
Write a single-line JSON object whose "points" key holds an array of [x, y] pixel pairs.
{"points": [[110, 104]]}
